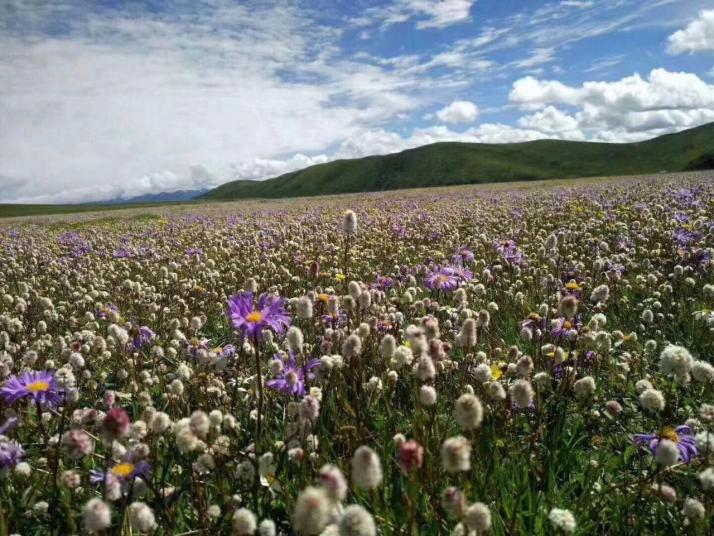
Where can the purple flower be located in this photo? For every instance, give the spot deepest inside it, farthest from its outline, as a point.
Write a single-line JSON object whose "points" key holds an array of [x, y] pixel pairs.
{"points": [[123, 473], [122, 253], [561, 326], [442, 279], [108, 309], [463, 256], [508, 250], [141, 336], [683, 237], [41, 386], [252, 318], [292, 379], [680, 436], [11, 452]]}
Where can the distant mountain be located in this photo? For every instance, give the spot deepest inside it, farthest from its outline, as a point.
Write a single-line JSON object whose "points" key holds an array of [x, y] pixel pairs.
{"points": [[162, 197], [450, 163]]}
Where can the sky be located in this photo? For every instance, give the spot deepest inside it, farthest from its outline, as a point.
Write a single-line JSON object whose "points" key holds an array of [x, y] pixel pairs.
{"points": [[114, 99]]}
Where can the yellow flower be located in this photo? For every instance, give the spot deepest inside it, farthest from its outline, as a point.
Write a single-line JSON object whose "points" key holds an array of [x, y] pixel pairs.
{"points": [[496, 371], [340, 277]]}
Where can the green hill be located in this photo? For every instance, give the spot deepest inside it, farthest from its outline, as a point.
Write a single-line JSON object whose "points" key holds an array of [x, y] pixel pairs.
{"points": [[449, 163]]}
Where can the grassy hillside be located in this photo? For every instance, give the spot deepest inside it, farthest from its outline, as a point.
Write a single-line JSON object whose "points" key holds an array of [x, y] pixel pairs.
{"points": [[449, 163]]}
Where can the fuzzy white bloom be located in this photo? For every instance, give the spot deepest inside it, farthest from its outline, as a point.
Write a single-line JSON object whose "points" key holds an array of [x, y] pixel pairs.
{"points": [[456, 454], [652, 400], [482, 373], [496, 392], [642, 385], [334, 482], [702, 372], [352, 347], [666, 453], [243, 522], [478, 517], [706, 478], [693, 509], [96, 515], [562, 519], [403, 356], [357, 521], [304, 308], [311, 511], [349, 222], [141, 518], [584, 387], [468, 411], [387, 346], [425, 369], [267, 528], [675, 360], [427, 395], [705, 441], [600, 294], [366, 468], [294, 339], [521, 393]]}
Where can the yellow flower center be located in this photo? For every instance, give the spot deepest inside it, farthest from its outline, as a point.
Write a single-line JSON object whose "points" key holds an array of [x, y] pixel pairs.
{"points": [[254, 317], [442, 278], [572, 285], [567, 325], [36, 387], [667, 432], [123, 470]]}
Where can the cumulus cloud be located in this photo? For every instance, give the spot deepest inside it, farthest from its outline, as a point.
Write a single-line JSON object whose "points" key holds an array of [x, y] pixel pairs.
{"points": [[458, 112], [698, 36], [624, 110]]}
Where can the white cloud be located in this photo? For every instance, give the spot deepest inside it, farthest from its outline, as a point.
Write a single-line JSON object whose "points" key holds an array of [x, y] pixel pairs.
{"points": [[551, 120], [698, 36], [428, 13], [120, 103], [539, 56], [627, 109], [458, 112]]}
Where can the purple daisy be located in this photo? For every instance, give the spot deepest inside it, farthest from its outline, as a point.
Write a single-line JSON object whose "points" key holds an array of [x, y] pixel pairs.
{"points": [[123, 472], [108, 309], [292, 379], [508, 250], [41, 386], [442, 279], [680, 436], [463, 256], [252, 318], [11, 452], [141, 336]]}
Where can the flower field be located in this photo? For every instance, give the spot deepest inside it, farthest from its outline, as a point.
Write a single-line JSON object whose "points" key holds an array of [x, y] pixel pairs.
{"points": [[460, 361]]}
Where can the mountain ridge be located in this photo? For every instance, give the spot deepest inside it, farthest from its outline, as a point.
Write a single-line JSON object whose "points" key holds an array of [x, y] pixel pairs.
{"points": [[455, 163]]}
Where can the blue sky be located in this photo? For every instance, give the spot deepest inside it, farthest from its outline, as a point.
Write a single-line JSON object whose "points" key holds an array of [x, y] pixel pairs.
{"points": [[115, 99]]}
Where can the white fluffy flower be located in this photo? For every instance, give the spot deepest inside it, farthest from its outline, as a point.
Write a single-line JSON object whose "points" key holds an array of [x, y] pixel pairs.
{"points": [[584, 387], [666, 452], [456, 454], [478, 517], [562, 519], [468, 411], [356, 521], [366, 468], [675, 360], [243, 522], [96, 515], [693, 509], [141, 518], [311, 511], [652, 400]]}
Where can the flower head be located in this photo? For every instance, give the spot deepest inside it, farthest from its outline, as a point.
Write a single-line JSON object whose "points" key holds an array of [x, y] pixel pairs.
{"points": [[291, 379], [41, 386], [681, 437], [251, 318]]}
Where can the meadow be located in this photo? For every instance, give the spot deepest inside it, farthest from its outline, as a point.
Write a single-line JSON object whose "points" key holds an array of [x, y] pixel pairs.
{"points": [[508, 360]]}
